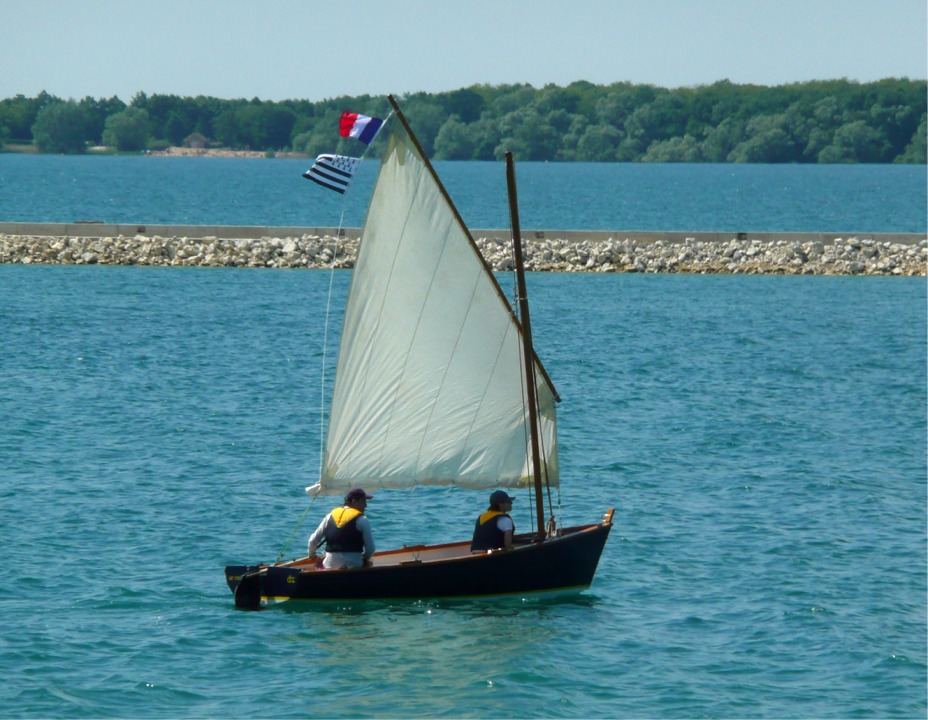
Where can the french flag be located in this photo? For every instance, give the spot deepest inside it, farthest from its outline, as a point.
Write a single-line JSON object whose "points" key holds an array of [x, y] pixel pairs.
{"points": [[360, 127]]}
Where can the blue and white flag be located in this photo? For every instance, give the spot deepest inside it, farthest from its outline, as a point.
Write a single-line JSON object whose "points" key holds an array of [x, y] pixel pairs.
{"points": [[332, 171]]}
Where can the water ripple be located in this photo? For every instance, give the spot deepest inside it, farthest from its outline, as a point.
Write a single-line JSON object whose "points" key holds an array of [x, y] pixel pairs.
{"points": [[762, 441]]}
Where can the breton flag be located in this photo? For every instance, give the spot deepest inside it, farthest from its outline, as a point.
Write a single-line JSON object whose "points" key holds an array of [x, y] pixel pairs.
{"points": [[360, 127], [332, 171]]}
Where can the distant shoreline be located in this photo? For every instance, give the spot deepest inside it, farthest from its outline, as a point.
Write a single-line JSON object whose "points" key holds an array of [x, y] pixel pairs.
{"points": [[220, 152], [172, 151]]}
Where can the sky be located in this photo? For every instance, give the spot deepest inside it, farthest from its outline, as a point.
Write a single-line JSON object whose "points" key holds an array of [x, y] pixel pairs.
{"points": [[318, 49]]}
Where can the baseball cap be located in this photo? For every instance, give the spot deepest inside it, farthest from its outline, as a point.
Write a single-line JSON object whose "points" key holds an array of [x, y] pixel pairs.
{"points": [[500, 496]]}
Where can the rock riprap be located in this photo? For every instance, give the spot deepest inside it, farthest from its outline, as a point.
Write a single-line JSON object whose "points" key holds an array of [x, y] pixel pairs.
{"points": [[842, 256]]}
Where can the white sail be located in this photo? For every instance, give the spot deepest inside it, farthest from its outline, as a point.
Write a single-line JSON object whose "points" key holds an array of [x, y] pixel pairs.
{"points": [[429, 386]]}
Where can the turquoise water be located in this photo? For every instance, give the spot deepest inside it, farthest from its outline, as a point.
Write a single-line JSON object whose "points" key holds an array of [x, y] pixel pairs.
{"points": [[763, 440], [552, 196]]}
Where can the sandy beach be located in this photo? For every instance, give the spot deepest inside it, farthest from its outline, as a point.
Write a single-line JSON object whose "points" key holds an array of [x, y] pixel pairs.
{"points": [[219, 152]]}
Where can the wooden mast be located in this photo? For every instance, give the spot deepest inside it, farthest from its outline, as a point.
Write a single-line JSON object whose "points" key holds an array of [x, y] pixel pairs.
{"points": [[528, 351]]}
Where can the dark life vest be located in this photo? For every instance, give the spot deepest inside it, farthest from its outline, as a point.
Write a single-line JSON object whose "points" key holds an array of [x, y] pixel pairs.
{"points": [[486, 535], [341, 531]]}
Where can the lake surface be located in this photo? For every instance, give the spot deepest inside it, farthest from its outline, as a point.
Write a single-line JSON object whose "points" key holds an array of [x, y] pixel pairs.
{"points": [[851, 199], [761, 438]]}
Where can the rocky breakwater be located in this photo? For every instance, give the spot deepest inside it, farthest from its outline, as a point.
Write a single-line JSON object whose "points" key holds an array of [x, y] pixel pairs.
{"points": [[840, 256], [305, 252], [843, 256]]}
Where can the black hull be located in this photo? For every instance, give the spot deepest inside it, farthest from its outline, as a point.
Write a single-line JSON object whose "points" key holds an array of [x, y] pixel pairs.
{"points": [[565, 562]]}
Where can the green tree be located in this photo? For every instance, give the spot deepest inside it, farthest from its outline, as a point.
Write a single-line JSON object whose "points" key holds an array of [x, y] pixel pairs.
{"points": [[429, 119], [59, 128], [161, 109], [587, 96], [830, 120], [768, 141], [266, 126], [96, 112], [174, 118], [202, 112], [177, 127], [323, 135], [127, 130], [897, 123], [716, 103], [770, 146], [828, 113], [554, 98], [226, 128], [721, 140], [527, 136], [665, 117], [675, 149], [19, 114], [487, 135], [303, 143], [855, 142], [571, 137], [510, 98], [256, 125], [455, 141], [614, 109], [917, 150], [620, 101], [466, 103], [305, 121], [599, 143]]}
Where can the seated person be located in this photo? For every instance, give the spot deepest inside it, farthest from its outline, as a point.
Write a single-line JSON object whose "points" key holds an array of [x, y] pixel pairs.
{"points": [[346, 533], [494, 528]]}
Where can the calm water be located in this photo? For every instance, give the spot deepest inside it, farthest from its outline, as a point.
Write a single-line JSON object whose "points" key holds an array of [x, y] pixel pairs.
{"points": [[762, 439], [553, 196]]}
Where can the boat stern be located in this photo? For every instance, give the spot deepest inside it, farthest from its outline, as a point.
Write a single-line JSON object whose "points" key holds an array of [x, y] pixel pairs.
{"points": [[234, 574]]}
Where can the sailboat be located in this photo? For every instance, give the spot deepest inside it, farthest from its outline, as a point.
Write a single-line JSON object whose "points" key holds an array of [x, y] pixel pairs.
{"points": [[437, 383]]}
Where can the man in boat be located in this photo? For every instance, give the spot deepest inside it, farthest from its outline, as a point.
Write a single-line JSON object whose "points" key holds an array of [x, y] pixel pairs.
{"points": [[346, 533], [494, 528]]}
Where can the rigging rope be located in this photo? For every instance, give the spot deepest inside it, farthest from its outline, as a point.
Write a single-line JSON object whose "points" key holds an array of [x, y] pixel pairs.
{"points": [[325, 341], [328, 306], [298, 525]]}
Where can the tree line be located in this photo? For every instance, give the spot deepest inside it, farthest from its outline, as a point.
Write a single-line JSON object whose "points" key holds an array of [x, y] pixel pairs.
{"points": [[828, 121]]}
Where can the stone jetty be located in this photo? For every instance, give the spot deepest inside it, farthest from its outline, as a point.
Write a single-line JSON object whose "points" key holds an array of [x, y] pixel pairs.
{"points": [[737, 255]]}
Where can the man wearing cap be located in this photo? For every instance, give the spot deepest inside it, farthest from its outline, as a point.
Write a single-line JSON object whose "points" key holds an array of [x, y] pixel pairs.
{"points": [[346, 533], [494, 528]]}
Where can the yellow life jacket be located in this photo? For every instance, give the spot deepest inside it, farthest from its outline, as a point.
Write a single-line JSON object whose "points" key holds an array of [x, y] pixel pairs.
{"points": [[341, 532], [344, 515], [487, 535], [489, 515]]}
